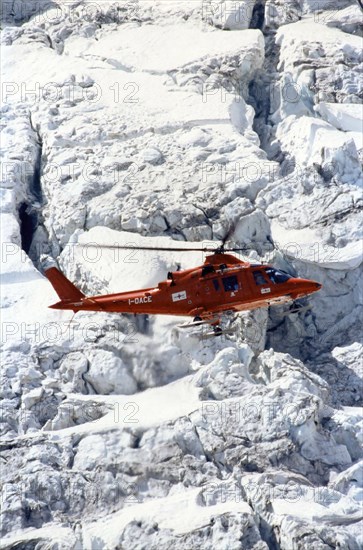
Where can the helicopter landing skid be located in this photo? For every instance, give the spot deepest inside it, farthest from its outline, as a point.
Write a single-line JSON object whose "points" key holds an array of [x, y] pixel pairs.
{"points": [[199, 323], [213, 323], [295, 308], [213, 334]]}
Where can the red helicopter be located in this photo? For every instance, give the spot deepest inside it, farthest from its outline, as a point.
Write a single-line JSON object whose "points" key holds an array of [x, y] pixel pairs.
{"points": [[223, 284]]}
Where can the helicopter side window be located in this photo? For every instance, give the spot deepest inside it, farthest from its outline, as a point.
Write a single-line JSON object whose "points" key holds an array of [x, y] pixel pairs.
{"points": [[230, 283], [216, 284], [277, 276], [259, 278]]}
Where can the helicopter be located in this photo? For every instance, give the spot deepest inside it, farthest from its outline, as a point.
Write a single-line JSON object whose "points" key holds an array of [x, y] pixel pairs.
{"points": [[223, 284]]}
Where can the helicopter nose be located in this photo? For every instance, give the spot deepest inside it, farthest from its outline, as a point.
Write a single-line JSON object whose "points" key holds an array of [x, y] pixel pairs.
{"points": [[306, 286], [314, 287]]}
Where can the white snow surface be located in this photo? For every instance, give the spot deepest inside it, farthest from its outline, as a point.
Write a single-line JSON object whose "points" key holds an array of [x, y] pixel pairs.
{"points": [[166, 124], [347, 117]]}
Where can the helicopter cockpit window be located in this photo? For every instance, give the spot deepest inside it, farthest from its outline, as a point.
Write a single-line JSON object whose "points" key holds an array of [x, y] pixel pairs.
{"points": [[277, 276], [230, 283], [259, 278]]}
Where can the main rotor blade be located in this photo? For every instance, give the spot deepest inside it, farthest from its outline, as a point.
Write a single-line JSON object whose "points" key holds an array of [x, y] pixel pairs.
{"points": [[156, 248], [131, 247]]}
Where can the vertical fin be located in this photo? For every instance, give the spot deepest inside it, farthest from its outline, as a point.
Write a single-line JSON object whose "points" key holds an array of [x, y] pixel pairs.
{"points": [[63, 287]]}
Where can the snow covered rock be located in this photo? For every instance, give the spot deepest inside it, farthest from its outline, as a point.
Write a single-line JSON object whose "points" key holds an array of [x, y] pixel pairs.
{"points": [[308, 46], [344, 116], [107, 374], [342, 369], [228, 15], [152, 156]]}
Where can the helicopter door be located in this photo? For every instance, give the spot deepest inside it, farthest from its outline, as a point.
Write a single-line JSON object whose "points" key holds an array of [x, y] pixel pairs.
{"points": [[211, 290], [261, 282], [216, 285], [231, 285], [211, 286]]}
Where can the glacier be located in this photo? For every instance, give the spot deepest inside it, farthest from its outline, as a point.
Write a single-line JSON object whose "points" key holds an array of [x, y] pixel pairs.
{"points": [[158, 123]]}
